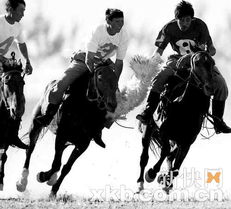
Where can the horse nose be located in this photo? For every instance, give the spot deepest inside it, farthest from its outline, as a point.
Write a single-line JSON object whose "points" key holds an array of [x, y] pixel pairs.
{"points": [[111, 106]]}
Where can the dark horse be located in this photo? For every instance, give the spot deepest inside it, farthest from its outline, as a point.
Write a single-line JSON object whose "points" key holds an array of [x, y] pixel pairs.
{"points": [[12, 103], [80, 117], [185, 109]]}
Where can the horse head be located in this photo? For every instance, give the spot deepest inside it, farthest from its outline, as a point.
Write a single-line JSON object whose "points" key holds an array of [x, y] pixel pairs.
{"points": [[202, 65], [12, 88], [103, 87]]}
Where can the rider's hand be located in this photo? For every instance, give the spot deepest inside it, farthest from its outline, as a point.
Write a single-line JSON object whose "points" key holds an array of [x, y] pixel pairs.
{"points": [[203, 47], [29, 68]]}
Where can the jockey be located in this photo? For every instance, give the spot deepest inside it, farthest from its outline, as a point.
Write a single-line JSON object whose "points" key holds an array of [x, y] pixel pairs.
{"points": [[183, 33], [11, 31], [106, 41]]}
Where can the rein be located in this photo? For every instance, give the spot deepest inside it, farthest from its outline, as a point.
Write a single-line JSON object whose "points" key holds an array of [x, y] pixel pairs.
{"points": [[198, 83], [99, 98]]}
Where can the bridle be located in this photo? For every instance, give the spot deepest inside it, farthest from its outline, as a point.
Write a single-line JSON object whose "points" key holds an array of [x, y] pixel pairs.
{"points": [[193, 79], [3, 78], [198, 82], [98, 96]]}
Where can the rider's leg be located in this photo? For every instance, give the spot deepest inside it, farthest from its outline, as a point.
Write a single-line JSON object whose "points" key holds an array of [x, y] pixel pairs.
{"points": [[151, 105], [218, 103], [55, 96], [157, 87], [14, 139]]}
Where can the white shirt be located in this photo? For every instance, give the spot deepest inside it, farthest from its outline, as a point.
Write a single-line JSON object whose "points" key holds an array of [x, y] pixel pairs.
{"points": [[8, 34], [106, 46]]}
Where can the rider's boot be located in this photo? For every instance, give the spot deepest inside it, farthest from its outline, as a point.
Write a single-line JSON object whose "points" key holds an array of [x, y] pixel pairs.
{"points": [[14, 139], [152, 102], [98, 139], [218, 111], [47, 117]]}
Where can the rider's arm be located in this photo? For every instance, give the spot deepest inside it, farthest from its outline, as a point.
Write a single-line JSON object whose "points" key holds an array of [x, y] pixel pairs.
{"points": [[118, 67], [23, 49], [89, 60], [205, 40], [158, 52]]}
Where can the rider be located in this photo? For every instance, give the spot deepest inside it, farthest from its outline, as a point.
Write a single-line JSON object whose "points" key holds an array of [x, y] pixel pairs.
{"points": [[106, 41], [182, 33], [11, 31]]}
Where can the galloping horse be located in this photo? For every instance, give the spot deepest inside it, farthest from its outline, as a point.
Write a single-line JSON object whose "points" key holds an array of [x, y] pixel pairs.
{"points": [[186, 108], [80, 117], [12, 102]]}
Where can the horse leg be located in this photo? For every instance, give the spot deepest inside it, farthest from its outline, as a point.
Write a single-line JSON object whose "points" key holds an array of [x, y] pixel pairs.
{"points": [[34, 133], [3, 158], [166, 180], [67, 167], [171, 158], [165, 150], [144, 156], [178, 155], [181, 154], [50, 175]]}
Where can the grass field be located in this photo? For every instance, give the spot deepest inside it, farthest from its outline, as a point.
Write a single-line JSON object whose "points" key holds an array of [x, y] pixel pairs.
{"points": [[67, 202]]}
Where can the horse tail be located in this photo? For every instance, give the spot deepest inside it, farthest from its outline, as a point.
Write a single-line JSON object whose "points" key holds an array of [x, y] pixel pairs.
{"points": [[36, 130]]}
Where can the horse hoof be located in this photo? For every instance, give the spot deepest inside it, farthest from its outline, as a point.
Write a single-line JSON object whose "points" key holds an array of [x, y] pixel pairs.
{"points": [[140, 187], [21, 185], [167, 189], [52, 180], [52, 195], [149, 176], [40, 177], [1, 187], [22, 182]]}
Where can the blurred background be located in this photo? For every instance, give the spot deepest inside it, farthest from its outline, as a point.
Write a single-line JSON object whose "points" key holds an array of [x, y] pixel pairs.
{"points": [[54, 29]]}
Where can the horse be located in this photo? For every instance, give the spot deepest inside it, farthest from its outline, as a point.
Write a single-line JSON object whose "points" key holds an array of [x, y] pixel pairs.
{"points": [[12, 104], [185, 104], [81, 116]]}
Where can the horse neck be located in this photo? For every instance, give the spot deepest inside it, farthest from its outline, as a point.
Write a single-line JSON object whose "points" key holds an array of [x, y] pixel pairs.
{"points": [[13, 98], [195, 98]]}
